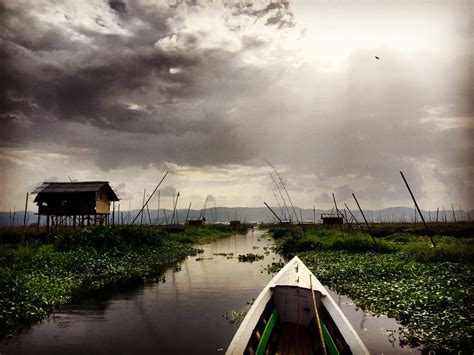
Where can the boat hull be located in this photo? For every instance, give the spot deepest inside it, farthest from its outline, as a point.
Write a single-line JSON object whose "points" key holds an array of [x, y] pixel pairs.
{"points": [[290, 295]]}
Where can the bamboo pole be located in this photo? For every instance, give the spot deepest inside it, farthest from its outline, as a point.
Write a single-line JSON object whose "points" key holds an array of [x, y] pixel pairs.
{"points": [[284, 188], [26, 209], [156, 188], [337, 213], [149, 216], [277, 201], [363, 215], [418, 208], [281, 195], [316, 313], [367, 223], [158, 211], [272, 211], [335, 204], [187, 214], [113, 213], [143, 204], [172, 216], [24, 218], [175, 208], [355, 219]]}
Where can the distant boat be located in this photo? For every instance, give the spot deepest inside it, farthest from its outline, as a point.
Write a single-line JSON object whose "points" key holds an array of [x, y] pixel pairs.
{"points": [[282, 320]]}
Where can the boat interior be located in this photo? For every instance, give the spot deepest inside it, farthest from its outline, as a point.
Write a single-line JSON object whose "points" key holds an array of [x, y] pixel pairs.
{"points": [[287, 326]]}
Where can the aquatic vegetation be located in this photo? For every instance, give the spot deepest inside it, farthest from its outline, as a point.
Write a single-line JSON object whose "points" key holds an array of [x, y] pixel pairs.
{"points": [[250, 257], [37, 278], [227, 255], [291, 241], [294, 241], [224, 254], [238, 315], [35, 281], [429, 290], [432, 300], [447, 249], [16, 235], [273, 268]]}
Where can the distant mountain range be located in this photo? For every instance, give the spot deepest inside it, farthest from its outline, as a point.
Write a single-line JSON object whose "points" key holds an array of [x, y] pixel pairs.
{"points": [[257, 214]]}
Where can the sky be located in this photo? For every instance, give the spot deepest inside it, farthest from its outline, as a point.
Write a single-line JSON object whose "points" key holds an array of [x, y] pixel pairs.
{"points": [[210, 90]]}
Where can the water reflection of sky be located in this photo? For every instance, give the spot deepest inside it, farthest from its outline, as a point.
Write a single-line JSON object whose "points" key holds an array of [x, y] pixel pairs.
{"points": [[183, 314]]}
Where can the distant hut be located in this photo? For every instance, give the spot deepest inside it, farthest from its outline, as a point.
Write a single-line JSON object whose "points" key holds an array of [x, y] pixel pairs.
{"points": [[331, 218], [196, 222], [75, 203]]}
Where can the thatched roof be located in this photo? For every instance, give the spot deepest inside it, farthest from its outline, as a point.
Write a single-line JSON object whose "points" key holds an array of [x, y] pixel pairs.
{"points": [[75, 187]]}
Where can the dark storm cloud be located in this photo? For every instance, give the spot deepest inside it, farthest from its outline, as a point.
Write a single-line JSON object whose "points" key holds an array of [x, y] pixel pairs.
{"points": [[89, 91], [123, 83], [92, 91]]}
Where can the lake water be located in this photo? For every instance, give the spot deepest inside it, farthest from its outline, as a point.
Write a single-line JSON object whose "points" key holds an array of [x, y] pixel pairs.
{"points": [[184, 314]]}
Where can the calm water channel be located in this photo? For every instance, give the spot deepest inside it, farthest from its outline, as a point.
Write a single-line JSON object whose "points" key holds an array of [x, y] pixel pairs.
{"points": [[183, 314]]}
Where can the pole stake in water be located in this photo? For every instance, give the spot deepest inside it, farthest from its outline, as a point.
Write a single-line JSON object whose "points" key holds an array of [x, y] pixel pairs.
{"points": [[418, 208]]}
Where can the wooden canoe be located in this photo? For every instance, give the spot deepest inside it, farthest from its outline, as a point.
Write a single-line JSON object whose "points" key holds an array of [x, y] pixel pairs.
{"points": [[282, 319]]}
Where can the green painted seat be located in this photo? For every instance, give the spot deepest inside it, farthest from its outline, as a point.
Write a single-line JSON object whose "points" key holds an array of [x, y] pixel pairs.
{"points": [[262, 345]]}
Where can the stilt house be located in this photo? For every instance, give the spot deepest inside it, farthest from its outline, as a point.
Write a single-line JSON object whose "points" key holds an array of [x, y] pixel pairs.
{"points": [[75, 203]]}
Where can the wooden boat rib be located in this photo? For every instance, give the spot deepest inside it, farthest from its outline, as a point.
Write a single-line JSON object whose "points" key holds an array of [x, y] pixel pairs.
{"points": [[282, 319]]}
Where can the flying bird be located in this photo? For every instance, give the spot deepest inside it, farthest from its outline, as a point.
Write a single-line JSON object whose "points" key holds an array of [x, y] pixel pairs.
{"points": [[377, 57]]}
